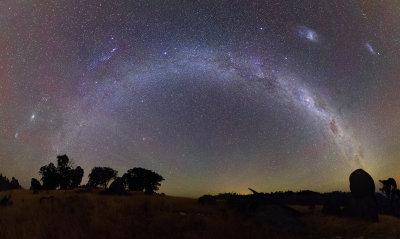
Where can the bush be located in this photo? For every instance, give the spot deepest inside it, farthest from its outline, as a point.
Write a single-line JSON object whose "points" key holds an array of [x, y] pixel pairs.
{"points": [[207, 199]]}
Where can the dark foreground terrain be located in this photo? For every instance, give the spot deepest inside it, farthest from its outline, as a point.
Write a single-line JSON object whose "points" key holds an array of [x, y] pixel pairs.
{"points": [[73, 214]]}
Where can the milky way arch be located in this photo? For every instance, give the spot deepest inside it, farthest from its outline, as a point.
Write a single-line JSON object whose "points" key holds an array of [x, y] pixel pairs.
{"points": [[190, 76]]}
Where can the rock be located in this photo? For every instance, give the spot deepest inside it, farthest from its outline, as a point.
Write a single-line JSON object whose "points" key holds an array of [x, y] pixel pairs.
{"points": [[280, 216], [117, 187], [332, 207], [6, 201], [361, 184], [362, 202]]}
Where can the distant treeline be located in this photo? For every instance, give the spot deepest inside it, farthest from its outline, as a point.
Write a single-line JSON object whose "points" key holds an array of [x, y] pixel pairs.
{"points": [[306, 197], [358, 202]]}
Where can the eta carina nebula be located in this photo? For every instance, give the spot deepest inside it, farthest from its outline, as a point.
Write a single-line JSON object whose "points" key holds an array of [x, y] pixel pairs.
{"points": [[213, 96]]}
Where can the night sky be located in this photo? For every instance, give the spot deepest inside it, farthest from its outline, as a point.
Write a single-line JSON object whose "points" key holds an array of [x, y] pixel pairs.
{"points": [[216, 96]]}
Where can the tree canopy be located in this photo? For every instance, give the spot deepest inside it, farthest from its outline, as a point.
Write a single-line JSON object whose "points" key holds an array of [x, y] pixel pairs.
{"points": [[101, 176], [139, 179], [49, 176], [63, 176], [77, 176], [35, 185], [6, 184]]}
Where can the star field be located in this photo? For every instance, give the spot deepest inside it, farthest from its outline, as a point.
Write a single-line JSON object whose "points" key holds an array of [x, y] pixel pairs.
{"points": [[215, 96]]}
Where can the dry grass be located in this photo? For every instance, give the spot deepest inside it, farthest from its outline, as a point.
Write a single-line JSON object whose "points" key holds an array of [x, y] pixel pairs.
{"points": [[318, 225], [90, 215]]}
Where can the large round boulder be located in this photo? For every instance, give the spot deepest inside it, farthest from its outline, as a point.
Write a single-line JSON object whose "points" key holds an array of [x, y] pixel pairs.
{"points": [[361, 184], [117, 187], [362, 202]]}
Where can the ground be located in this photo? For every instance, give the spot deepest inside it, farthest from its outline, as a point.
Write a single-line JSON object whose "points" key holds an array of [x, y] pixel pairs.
{"points": [[72, 214]]}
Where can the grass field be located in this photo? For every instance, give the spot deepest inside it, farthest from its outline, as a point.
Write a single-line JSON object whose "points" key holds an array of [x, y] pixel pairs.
{"points": [[91, 215]]}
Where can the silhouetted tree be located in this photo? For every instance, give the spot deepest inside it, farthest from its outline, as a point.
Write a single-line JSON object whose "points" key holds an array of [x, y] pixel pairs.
{"points": [[49, 176], [35, 185], [14, 184], [139, 179], [5, 183], [77, 177], [64, 171], [101, 176], [389, 187], [63, 176]]}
